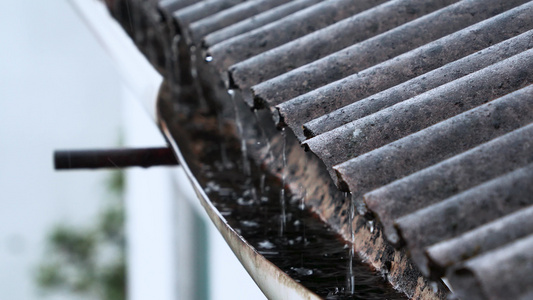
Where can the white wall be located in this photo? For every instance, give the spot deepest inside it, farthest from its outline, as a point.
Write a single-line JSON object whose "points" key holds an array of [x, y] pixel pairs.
{"points": [[58, 89]]}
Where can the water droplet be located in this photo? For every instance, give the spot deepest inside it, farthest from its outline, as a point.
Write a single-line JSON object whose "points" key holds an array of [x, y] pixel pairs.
{"points": [[212, 187], [301, 206], [435, 287], [242, 201], [370, 225], [266, 244], [356, 133], [303, 271], [247, 223], [361, 207], [393, 238]]}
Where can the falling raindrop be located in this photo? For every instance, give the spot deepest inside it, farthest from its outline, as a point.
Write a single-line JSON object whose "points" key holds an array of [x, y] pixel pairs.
{"points": [[370, 225], [282, 191], [351, 277]]}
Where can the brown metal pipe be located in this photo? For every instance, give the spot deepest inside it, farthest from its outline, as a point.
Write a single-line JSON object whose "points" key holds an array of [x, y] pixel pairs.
{"points": [[113, 158]]}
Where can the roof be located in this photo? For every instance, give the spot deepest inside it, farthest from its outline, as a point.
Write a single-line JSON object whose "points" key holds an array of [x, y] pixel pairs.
{"points": [[422, 110]]}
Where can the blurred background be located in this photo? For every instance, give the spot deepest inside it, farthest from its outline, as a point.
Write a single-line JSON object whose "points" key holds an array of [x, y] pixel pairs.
{"points": [[111, 234]]}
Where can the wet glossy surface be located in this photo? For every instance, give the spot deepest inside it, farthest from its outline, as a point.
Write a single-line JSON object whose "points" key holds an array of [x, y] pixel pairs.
{"points": [[306, 249], [298, 243]]}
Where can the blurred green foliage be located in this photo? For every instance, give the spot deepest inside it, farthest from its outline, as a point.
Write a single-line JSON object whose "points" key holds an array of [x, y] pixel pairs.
{"points": [[89, 261]]}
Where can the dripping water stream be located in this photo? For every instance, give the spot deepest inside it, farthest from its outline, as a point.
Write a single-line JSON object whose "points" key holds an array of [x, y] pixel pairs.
{"points": [[223, 153], [264, 136], [351, 279], [283, 218], [240, 129]]}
